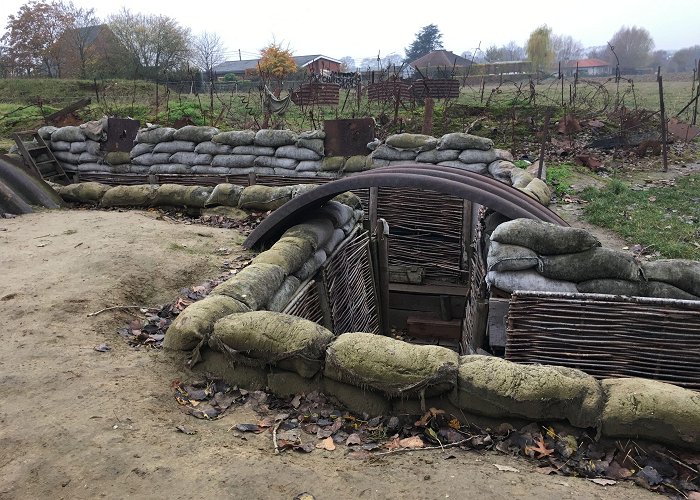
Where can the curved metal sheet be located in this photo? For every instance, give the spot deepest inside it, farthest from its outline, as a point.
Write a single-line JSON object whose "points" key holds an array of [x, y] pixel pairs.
{"points": [[467, 185]]}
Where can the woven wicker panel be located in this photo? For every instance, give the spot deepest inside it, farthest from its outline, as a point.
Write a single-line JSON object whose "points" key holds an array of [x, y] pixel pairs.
{"points": [[477, 292], [113, 179], [350, 286], [607, 335], [425, 231], [306, 304]]}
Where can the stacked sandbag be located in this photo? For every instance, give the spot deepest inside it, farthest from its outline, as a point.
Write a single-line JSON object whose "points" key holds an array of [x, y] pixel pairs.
{"points": [[531, 255], [78, 149], [391, 367], [262, 338], [495, 387], [165, 150]]}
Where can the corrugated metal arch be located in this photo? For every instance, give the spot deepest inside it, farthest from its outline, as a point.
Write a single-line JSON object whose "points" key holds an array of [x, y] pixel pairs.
{"points": [[453, 181]]}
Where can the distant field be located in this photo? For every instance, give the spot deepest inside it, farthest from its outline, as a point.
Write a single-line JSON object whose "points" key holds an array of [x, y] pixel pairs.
{"points": [[25, 102]]}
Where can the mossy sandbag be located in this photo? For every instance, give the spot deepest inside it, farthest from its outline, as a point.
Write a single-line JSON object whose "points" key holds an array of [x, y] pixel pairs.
{"points": [[141, 195], [260, 197], [254, 285], [273, 338], [177, 195], [596, 263], [391, 366], [316, 231], [288, 252], [681, 273], [83, 192], [197, 320], [503, 257], [495, 387], [543, 237], [648, 409], [224, 194]]}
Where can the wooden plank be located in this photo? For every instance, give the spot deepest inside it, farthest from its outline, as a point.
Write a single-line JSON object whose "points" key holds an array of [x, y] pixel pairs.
{"points": [[498, 312], [419, 302], [68, 109], [459, 290], [427, 325]]}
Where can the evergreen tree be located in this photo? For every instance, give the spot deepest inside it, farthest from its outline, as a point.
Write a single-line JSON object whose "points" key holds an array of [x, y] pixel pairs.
{"points": [[427, 40]]}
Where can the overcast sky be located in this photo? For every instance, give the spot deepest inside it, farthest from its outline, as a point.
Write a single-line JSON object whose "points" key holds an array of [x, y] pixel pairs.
{"points": [[362, 28]]}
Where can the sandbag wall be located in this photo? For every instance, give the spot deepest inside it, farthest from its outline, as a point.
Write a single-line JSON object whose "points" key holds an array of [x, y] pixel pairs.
{"points": [[380, 375], [559, 297], [206, 151], [535, 256]]}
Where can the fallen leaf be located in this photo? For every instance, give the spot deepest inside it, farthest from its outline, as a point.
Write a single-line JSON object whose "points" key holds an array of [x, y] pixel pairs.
{"points": [[249, 428], [327, 444], [186, 430], [603, 482], [412, 442], [505, 468], [546, 470], [102, 348], [304, 496], [694, 495], [353, 439], [540, 448]]}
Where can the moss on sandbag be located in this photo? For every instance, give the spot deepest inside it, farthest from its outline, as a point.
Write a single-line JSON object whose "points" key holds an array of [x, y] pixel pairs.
{"points": [[83, 192], [349, 199], [141, 195], [613, 287], [539, 190], [592, 264], [288, 252], [315, 231], [224, 194], [156, 134], [458, 140], [118, 157], [177, 195], [260, 197], [274, 138], [286, 292], [235, 138], [418, 142], [195, 133], [495, 387], [681, 273], [277, 339], [648, 409], [254, 285], [543, 237], [391, 366], [197, 320]]}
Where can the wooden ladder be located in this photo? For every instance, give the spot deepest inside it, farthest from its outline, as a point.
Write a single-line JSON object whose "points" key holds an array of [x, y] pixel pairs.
{"points": [[39, 158]]}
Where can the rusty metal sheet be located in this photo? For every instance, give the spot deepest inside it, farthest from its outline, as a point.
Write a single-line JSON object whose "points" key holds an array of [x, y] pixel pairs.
{"points": [[437, 88], [683, 131], [317, 93], [485, 191], [121, 133], [348, 137]]}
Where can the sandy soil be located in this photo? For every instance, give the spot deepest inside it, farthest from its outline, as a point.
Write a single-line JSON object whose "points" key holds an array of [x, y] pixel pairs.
{"points": [[77, 423]]}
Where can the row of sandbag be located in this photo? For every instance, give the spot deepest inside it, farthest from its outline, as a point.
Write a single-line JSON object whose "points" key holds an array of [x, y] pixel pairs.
{"points": [[256, 197], [373, 370], [536, 256], [275, 275], [206, 150]]}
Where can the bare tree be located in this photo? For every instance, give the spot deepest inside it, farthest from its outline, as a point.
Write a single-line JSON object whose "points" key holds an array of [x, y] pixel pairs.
{"points": [[79, 33], [566, 48], [347, 64], [509, 52], [156, 43], [633, 47], [208, 50]]}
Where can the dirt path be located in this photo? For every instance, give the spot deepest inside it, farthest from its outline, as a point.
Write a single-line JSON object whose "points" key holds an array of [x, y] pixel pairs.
{"points": [[77, 423]]}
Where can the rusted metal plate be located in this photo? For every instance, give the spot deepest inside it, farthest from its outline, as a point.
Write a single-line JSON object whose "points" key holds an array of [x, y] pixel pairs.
{"points": [[389, 90], [683, 131], [437, 88], [348, 137], [317, 93], [121, 133]]}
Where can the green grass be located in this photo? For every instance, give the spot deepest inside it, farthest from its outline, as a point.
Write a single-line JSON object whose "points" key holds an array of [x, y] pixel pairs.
{"points": [[559, 177], [663, 219]]}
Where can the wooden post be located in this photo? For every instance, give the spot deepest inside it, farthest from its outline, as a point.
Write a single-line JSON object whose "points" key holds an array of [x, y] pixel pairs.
{"points": [[697, 97], [428, 116], [372, 210], [382, 237], [662, 108], [545, 136]]}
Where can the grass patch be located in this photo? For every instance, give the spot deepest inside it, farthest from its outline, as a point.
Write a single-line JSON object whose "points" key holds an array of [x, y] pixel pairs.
{"points": [[664, 219], [559, 177]]}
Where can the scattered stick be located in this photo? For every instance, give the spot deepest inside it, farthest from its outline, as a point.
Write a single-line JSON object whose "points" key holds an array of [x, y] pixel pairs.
{"points": [[112, 308], [401, 450], [274, 436]]}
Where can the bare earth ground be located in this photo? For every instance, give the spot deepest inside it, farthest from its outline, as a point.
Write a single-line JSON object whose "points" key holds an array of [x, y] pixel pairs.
{"points": [[77, 423]]}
